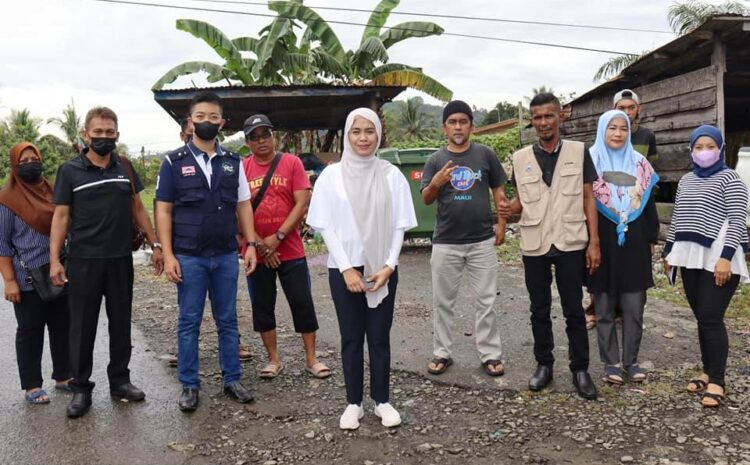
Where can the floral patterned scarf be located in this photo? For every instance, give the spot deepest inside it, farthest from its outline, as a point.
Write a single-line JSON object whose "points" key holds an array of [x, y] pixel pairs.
{"points": [[618, 202]]}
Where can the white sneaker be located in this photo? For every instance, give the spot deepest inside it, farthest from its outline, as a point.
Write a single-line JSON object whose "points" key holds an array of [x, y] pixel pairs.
{"points": [[352, 415], [388, 415]]}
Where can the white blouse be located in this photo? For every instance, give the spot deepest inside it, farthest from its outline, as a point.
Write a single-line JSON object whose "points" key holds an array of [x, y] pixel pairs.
{"points": [[694, 256], [331, 213]]}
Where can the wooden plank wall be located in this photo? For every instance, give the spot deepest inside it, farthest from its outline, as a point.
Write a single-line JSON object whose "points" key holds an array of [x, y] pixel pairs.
{"points": [[672, 108]]}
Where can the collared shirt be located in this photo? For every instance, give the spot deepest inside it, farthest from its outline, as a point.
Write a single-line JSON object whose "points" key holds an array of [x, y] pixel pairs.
{"points": [[100, 200], [164, 184], [548, 161]]}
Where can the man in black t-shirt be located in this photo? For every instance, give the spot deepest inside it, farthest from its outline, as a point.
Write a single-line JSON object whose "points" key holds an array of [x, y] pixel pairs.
{"points": [[96, 202], [643, 139], [460, 177]]}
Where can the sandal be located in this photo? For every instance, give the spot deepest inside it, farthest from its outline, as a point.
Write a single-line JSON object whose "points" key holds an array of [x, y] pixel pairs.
{"points": [[442, 365], [636, 374], [36, 397], [716, 399], [63, 387], [271, 370], [494, 367], [613, 375], [590, 321], [319, 370], [700, 385]]}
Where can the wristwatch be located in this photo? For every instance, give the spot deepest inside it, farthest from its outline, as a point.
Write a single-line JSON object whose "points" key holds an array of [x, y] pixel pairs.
{"points": [[156, 245], [280, 235], [252, 244]]}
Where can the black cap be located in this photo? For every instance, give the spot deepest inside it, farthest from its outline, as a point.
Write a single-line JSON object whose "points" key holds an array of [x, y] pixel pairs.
{"points": [[254, 122], [457, 106]]}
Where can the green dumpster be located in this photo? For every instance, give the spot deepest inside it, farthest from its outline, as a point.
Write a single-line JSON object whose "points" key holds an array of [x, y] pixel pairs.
{"points": [[411, 163]]}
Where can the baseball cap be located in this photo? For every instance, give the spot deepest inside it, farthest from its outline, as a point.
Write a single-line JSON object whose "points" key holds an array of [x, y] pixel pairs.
{"points": [[626, 93], [254, 122]]}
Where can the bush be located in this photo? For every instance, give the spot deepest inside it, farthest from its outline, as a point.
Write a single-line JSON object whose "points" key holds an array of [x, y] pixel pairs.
{"points": [[503, 144]]}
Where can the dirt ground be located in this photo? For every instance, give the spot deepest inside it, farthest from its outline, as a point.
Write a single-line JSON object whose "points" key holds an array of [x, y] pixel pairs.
{"points": [[462, 416]]}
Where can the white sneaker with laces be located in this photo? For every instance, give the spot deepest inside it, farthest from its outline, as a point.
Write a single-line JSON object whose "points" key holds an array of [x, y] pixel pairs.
{"points": [[352, 415], [388, 415]]}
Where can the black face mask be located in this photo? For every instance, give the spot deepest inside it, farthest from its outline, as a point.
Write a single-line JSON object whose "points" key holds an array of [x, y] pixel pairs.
{"points": [[103, 146], [30, 172], [206, 130]]}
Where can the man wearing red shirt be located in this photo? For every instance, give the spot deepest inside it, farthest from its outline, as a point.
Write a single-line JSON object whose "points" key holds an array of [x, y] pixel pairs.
{"points": [[278, 208]]}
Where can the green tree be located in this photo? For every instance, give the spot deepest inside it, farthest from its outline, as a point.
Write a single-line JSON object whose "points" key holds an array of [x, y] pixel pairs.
{"points": [[690, 15], [538, 90], [411, 122], [21, 126], [500, 112], [69, 123], [280, 56], [684, 18]]}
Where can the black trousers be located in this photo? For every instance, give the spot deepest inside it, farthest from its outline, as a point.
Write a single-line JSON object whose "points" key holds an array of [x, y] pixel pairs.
{"points": [[32, 315], [709, 303], [569, 272], [294, 276], [88, 281], [356, 321]]}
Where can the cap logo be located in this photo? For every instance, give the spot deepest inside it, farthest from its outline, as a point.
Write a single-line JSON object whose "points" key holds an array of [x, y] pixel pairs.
{"points": [[256, 120]]}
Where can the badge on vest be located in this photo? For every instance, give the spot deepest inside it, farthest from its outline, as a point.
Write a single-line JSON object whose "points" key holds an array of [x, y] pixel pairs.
{"points": [[227, 167], [188, 170], [528, 168]]}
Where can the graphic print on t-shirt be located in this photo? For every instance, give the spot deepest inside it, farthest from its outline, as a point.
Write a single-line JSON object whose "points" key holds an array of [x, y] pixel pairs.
{"points": [[463, 179]]}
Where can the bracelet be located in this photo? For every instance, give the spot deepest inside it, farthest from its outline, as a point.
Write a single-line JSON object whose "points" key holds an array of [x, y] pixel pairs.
{"points": [[252, 244], [156, 245]]}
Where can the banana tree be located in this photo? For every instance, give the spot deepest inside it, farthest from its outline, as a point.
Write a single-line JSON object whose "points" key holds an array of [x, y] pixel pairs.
{"points": [[369, 62]]}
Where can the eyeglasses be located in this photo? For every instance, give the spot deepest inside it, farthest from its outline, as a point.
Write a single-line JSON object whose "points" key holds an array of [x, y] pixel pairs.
{"points": [[260, 136]]}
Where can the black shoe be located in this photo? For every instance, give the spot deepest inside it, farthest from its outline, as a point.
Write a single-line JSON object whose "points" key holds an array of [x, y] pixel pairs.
{"points": [[188, 400], [79, 405], [239, 392], [128, 392], [584, 384], [541, 378]]}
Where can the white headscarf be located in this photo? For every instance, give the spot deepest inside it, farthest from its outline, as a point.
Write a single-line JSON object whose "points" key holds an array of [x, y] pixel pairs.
{"points": [[366, 186]]}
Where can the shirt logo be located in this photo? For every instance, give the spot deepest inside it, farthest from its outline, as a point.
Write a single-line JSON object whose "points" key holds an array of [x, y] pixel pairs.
{"points": [[188, 170], [227, 167], [464, 178]]}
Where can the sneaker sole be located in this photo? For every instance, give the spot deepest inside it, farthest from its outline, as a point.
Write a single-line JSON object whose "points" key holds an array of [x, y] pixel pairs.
{"points": [[383, 422]]}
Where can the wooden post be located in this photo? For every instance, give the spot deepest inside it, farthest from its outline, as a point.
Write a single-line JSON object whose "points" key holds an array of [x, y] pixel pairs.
{"points": [[719, 62], [520, 124]]}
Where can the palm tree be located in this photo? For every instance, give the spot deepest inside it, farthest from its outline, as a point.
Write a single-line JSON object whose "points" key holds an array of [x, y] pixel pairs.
{"points": [[614, 65], [539, 90], [411, 122], [683, 18], [688, 16], [70, 123], [280, 57]]}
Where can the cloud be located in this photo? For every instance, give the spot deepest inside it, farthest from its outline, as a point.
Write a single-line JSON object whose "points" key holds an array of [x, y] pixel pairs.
{"points": [[108, 54]]}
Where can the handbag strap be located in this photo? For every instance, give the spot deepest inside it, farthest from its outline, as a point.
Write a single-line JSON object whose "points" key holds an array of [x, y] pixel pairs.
{"points": [[266, 182], [129, 168], [20, 260]]}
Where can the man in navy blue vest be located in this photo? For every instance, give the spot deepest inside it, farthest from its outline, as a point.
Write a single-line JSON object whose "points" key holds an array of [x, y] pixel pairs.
{"points": [[201, 196]]}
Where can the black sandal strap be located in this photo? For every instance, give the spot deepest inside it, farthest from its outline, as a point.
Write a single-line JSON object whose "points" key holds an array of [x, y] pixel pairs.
{"points": [[700, 383]]}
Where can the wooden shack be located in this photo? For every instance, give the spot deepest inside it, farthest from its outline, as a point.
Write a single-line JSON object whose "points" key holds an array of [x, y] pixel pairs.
{"points": [[700, 78]]}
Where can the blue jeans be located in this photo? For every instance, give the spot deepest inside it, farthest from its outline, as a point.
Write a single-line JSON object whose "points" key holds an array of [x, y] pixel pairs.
{"points": [[216, 275]]}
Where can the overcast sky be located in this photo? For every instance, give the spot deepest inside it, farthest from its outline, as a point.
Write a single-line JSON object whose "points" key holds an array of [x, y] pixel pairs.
{"points": [[109, 54]]}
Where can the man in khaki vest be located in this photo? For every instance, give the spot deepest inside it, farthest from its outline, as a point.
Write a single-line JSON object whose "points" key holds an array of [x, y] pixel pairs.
{"points": [[558, 227]]}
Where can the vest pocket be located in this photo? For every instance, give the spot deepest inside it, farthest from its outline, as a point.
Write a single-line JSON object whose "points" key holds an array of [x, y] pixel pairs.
{"points": [[574, 229], [228, 187], [530, 188], [531, 233], [190, 190], [570, 180]]}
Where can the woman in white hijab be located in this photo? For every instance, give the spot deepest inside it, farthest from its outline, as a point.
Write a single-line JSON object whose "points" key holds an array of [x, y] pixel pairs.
{"points": [[362, 207]]}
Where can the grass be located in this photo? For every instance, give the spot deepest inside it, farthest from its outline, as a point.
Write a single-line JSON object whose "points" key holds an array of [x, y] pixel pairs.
{"points": [[739, 307], [147, 197]]}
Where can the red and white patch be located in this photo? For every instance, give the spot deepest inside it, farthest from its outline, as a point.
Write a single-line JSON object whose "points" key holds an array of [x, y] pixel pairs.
{"points": [[188, 170]]}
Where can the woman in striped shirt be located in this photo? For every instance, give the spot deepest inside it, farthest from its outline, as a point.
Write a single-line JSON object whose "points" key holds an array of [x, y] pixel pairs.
{"points": [[25, 220], [707, 240]]}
